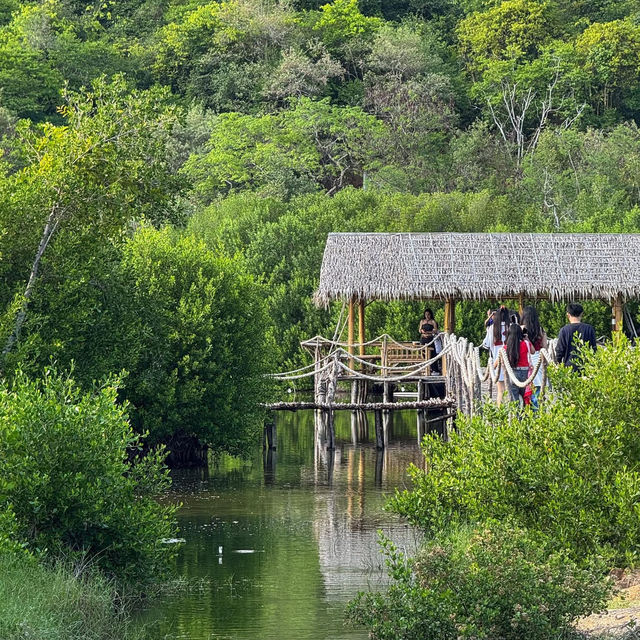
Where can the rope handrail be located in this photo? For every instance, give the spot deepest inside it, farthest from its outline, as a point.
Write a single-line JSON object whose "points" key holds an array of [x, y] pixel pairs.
{"points": [[320, 340]]}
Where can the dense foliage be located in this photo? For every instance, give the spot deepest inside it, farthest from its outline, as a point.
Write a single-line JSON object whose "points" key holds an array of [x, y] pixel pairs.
{"points": [[495, 581], [570, 471], [170, 170], [64, 460]]}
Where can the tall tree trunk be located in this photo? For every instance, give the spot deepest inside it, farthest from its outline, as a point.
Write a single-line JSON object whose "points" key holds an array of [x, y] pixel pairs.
{"points": [[47, 234]]}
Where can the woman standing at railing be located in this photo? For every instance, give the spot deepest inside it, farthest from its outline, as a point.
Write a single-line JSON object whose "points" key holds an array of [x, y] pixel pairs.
{"points": [[428, 329]]}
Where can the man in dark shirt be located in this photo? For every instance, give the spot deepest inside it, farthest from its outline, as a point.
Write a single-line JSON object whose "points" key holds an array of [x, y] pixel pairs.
{"points": [[566, 344]]}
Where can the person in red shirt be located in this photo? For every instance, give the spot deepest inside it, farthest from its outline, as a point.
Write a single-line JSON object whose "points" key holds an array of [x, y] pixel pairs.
{"points": [[518, 350]]}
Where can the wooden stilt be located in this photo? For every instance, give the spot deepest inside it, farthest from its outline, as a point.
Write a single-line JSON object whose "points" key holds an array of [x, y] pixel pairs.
{"points": [[379, 430], [272, 441], [379, 467], [331, 430]]}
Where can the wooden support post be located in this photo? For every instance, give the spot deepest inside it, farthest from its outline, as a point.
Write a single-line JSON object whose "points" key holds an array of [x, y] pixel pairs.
{"points": [[616, 315], [331, 430], [450, 315], [449, 325], [361, 334], [379, 429], [270, 429], [521, 305], [350, 338]]}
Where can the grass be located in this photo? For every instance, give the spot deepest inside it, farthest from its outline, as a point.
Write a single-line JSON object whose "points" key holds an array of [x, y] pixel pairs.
{"points": [[51, 603]]}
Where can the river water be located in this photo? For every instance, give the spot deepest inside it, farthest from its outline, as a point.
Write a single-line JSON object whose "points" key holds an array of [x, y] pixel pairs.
{"points": [[276, 546]]}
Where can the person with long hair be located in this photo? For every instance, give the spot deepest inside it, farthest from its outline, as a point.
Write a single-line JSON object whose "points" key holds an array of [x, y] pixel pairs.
{"points": [[518, 350], [538, 338], [428, 328], [494, 341]]}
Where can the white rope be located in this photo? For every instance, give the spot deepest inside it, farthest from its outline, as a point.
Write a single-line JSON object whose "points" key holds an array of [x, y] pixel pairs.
{"points": [[379, 339]]}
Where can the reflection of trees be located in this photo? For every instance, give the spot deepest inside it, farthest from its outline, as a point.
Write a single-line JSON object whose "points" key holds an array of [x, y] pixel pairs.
{"points": [[314, 538]]}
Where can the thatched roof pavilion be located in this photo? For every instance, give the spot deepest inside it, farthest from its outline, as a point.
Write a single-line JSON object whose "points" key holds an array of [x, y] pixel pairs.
{"points": [[450, 266]]}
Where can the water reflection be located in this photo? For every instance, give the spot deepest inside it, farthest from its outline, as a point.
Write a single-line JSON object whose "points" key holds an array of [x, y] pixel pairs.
{"points": [[298, 528]]}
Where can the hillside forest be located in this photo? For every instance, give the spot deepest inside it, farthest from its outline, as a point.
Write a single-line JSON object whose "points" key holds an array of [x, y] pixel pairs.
{"points": [[170, 171]]}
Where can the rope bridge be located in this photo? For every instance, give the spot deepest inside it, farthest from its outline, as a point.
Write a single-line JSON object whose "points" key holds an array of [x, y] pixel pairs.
{"points": [[459, 359]]}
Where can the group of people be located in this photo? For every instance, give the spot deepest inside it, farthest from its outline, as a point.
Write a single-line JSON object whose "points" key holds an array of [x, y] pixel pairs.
{"points": [[522, 339]]}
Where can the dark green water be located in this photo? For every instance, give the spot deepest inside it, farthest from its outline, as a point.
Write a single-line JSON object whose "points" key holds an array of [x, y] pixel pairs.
{"points": [[298, 534]]}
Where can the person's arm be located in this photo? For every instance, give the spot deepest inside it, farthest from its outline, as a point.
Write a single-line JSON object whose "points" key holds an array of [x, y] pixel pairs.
{"points": [[561, 346], [435, 327], [530, 346], [544, 342]]}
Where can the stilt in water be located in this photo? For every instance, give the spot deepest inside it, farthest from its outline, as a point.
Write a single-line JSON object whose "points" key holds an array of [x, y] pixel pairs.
{"points": [[379, 467], [270, 435], [269, 460], [379, 430]]}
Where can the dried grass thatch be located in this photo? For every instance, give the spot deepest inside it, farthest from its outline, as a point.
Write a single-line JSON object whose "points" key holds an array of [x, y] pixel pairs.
{"points": [[413, 266]]}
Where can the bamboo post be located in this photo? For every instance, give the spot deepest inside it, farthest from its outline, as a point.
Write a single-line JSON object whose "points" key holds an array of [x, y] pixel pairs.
{"points": [[449, 315], [361, 335], [449, 325], [350, 338], [616, 315], [521, 305]]}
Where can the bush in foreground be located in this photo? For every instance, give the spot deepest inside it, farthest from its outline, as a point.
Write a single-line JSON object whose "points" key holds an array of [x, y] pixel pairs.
{"points": [[496, 581], [51, 603], [67, 478], [570, 471]]}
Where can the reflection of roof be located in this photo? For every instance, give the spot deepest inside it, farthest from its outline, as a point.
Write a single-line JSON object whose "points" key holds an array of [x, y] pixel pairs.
{"points": [[350, 557], [404, 266]]}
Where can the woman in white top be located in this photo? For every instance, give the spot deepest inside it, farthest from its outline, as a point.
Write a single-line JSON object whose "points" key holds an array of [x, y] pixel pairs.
{"points": [[494, 341]]}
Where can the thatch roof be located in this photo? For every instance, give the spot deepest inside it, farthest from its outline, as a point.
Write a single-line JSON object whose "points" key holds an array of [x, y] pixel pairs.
{"points": [[410, 266]]}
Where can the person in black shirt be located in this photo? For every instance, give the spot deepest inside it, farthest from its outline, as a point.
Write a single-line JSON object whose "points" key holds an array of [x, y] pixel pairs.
{"points": [[566, 344]]}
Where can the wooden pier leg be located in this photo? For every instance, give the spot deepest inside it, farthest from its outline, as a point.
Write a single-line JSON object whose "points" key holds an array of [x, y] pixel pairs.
{"points": [[272, 441], [387, 427], [379, 430], [269, 466], [387, 396], [379, 467], [420, 425], [331, 432]]}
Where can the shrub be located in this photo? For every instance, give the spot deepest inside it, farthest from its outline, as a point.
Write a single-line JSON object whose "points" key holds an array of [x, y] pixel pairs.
{"points": [[571, 471], [64, 461], [496, 581]]}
